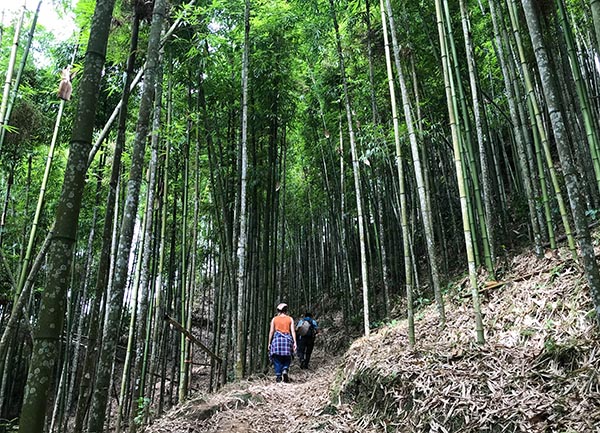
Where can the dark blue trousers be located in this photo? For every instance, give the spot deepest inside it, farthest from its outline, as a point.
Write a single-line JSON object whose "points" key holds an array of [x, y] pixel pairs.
{"points": [[281, 362], [305, 348]]}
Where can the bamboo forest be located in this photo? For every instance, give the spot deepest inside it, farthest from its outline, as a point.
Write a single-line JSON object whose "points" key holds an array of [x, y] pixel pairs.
{"points": [[417, 180]]}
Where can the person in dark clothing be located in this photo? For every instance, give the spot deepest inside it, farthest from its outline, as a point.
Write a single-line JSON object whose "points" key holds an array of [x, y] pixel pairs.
{"points": [[306, 330]]}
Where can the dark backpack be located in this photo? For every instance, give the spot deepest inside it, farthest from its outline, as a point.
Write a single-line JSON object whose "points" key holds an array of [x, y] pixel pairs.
{"points": [[305, 328]]}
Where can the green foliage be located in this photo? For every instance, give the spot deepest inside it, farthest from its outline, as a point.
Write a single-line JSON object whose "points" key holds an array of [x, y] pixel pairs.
{"points": [[592, 213], [143, 404], [382, 323]]}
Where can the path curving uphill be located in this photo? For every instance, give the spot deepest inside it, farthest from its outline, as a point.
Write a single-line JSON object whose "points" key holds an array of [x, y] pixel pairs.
{"points": [[261, 405]]}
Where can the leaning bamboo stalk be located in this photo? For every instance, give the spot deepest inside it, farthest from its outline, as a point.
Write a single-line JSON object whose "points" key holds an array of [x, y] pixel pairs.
{"points": [[134, 83], [11, 66], [23, 298], [42, 193], [40, 202], [17, 83]]}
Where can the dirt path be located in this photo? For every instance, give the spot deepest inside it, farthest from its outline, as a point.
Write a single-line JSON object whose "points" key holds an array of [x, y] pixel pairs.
{"points": [[261, 405]]}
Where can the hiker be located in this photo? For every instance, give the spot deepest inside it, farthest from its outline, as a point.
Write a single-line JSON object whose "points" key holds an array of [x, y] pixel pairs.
{"points": [[282, 342], [306, 329]]}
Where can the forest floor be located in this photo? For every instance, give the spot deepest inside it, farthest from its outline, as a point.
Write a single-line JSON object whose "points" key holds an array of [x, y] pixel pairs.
{"points": [[261, 405], [539, 370]]}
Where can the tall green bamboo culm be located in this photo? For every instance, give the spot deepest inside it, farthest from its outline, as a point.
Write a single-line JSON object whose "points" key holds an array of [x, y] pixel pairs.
{"points": [[451, 101], [185, 274], [543, 180], [110, 215], [19, 76], [488, 199], [572, 180], [356, 172], [130, 348], [10, 70], [116, 292], [478, 222], [146, 304], [519, 136], [512, 7], [424, 201], [401, 186]]}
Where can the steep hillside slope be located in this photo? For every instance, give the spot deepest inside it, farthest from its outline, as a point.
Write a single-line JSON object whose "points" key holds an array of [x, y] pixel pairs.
{"points": [[538, 371]]}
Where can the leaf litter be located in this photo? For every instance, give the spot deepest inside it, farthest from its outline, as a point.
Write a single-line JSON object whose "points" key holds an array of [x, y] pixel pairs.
{"points": [[537, 372]]}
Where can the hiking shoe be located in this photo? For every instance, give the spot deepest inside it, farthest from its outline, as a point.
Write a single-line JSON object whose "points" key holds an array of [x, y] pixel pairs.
{"points": [[286, 378], [277, 379]]}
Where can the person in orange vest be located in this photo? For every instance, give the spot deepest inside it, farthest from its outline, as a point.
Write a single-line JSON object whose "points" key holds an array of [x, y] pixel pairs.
{"points": [[282, 342]]}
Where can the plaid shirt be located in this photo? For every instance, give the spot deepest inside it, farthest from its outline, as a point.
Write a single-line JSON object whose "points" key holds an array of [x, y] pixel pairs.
{"points": [[282, 344]]}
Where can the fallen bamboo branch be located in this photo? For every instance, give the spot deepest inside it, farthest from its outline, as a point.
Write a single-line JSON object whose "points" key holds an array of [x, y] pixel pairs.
{"points": [[193, 339]]}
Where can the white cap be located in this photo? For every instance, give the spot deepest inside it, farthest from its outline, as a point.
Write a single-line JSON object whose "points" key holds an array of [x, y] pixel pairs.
{"points": [[281, 307]]}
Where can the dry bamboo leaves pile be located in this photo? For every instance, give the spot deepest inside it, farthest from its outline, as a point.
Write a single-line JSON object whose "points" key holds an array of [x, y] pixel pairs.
{"points": [[539, 370], [260, 405]]}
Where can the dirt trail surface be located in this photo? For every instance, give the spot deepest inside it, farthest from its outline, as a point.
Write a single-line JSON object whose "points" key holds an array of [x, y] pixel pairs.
{"points": [[261, 405]]}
